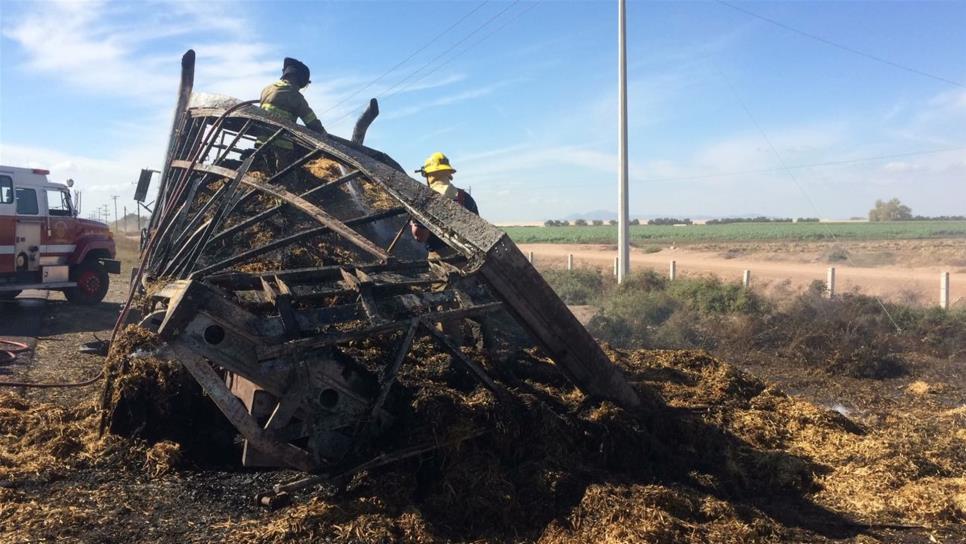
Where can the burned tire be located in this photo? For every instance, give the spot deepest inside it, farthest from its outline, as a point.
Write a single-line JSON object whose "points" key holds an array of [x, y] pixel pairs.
{"points": [[9, 295], [92, 283]]}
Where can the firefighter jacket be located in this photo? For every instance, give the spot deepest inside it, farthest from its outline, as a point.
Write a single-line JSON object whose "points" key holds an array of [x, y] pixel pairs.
{"points": [[421, 233], [285, 99]]}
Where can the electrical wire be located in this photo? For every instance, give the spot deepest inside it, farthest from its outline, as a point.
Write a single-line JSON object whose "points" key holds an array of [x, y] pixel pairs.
{"points": [[405, 60], [390, 92], [843, 47], [841, 162], [788, 171], [470, 46]]}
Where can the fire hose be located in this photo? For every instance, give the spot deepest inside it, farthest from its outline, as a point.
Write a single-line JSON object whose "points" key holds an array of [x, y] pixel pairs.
{"points": [[8, 355]]}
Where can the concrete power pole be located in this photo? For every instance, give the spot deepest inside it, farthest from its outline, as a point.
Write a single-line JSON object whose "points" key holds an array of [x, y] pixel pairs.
{"points": [[622, 207], [115, 214]]}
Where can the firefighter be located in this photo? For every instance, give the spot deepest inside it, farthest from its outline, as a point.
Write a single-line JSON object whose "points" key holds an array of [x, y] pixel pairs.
{"points": [[439, 175], [285, 99]]}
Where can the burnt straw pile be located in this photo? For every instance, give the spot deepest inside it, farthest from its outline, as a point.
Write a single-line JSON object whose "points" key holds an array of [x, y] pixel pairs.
{"points": [[729, 460]]}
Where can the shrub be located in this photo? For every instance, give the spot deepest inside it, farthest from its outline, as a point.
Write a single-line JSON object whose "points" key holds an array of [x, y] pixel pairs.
{"points": [[712, 296], [581, 222], [581, 286]]}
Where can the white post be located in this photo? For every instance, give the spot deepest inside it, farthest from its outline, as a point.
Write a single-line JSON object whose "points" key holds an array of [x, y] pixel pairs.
{"points": [[673, 271], [530, 256], [570, 261], [623, 248], [617, 264], [944, 290], [746, 279], [830, 282]]}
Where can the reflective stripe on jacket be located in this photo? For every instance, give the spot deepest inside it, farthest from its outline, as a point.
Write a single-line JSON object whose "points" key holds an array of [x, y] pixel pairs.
{"points": [[284, 99]]}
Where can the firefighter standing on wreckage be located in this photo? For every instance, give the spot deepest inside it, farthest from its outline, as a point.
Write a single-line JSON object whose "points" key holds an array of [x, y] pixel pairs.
{"points": [[439, 175], [284, 98]]}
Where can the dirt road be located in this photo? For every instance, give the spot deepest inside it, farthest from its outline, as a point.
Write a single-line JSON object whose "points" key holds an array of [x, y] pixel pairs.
{"points": [[892, 282]]}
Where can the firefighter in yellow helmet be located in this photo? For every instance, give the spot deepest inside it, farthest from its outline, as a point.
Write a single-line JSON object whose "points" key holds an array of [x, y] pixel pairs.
{"points": [[439, 175]]}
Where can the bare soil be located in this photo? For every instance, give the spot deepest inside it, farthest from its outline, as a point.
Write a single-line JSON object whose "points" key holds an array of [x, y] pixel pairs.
{"points": [[905, 271], [733, 459]]}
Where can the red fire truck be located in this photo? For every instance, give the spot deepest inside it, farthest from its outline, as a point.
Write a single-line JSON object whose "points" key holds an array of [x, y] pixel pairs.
{"points": [[44, 245]]}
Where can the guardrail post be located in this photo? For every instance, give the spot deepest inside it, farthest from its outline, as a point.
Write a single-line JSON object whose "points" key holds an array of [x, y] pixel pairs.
{"points": [[944, 290], [570, 261], [830, 282], [673, 271], [617, 263], [746, 279]]}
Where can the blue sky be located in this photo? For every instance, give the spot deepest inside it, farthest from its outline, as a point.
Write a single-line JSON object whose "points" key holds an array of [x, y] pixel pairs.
{"points": [[522, 96]]}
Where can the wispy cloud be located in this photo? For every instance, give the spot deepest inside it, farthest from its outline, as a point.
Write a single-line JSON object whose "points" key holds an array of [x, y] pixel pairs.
{"points": [[447, 100]]}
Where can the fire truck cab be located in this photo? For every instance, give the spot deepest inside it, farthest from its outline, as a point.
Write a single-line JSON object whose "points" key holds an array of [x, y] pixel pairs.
{"points": [[44, 245]]}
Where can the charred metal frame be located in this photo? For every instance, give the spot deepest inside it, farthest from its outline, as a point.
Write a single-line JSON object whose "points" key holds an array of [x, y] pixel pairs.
{"points": [[266, 346]]}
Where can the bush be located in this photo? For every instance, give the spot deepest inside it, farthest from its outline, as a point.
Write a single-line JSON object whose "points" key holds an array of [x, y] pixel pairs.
{"points": [[629, 320], [581, 222], [711, 296], [597, 222], [581, 286]]}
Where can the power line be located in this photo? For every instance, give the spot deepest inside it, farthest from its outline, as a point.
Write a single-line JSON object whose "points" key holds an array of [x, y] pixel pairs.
{"points": [[804, 166], [407, 59], [843, 47], [808, 198], [472, 45], [774, 170], [412, 74]]}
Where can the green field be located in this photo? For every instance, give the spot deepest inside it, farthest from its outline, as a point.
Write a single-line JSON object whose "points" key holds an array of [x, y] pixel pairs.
{"points": [[738, 232]]}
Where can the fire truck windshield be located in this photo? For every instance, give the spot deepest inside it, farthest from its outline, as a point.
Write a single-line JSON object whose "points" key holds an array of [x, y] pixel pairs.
{"points": [[58, 202]]}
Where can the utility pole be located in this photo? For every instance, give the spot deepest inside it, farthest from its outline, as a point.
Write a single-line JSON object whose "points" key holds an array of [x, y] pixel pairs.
{"points": [[124, 217], [622, 207], [115, 214]]}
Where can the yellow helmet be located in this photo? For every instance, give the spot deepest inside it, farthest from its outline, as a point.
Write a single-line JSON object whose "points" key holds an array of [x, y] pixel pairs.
{"points": [[437, 162]]}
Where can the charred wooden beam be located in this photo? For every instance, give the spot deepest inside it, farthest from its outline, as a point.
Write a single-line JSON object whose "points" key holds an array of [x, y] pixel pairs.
{"points": [[366, 119]]}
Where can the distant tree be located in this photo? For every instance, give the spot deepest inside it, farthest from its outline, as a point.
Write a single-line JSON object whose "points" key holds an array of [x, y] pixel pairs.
{"points": [[612, 222], [550, 223], [581, 222], [635, 221], [669, 221], [597, 222], [892, 210]]}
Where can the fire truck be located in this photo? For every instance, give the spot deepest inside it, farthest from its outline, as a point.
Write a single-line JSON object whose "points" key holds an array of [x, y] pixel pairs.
{"points": [[44, 245]]}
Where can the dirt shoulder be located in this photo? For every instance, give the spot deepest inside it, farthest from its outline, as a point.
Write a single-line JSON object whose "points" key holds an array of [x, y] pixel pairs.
{"points": [[773, 268]]}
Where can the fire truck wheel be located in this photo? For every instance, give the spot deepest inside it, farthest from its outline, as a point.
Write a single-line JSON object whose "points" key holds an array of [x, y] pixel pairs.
{"points": [[8, 295], [92, 283]]}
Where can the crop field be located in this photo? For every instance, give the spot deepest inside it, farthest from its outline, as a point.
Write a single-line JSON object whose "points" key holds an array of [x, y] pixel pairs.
{"points": [[734, 232]]}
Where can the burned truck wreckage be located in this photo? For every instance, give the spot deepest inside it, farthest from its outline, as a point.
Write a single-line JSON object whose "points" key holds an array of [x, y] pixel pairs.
{"points": [[264, 319]]}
